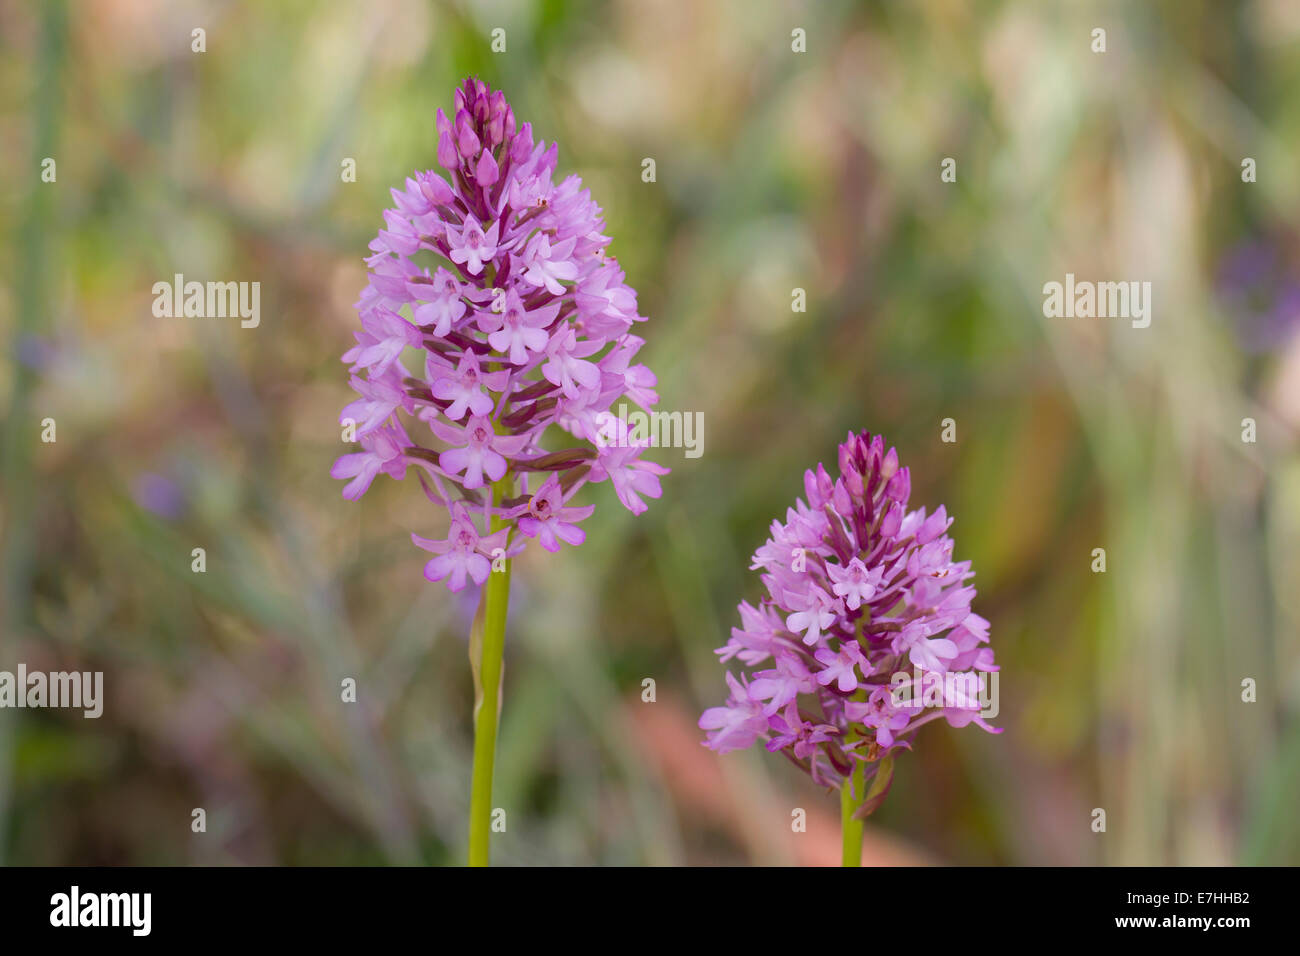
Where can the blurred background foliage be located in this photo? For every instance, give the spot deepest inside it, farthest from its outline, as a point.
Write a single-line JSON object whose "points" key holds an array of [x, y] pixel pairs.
{"points": [[775, 170]]}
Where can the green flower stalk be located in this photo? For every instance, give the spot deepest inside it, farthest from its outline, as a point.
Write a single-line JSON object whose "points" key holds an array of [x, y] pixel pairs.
{"points": [[522, 323]]}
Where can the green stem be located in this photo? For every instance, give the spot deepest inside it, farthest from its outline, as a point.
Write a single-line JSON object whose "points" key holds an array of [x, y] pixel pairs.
{"points": [[496, 596], [849, 802]]}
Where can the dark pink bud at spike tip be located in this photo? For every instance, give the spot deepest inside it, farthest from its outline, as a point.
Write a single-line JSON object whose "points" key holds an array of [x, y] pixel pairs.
{"points": [[486, 171], [446, 151]]}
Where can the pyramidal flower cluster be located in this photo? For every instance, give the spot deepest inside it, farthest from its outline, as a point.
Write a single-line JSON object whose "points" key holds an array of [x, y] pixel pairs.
{"points": [[859, 589], [499, 277]]}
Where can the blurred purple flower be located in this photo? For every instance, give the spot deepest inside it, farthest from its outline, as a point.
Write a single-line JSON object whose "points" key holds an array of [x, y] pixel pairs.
{"points": [[1261, 290], [36, 352], [858, 589], [159, 494], [523, 323]]}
